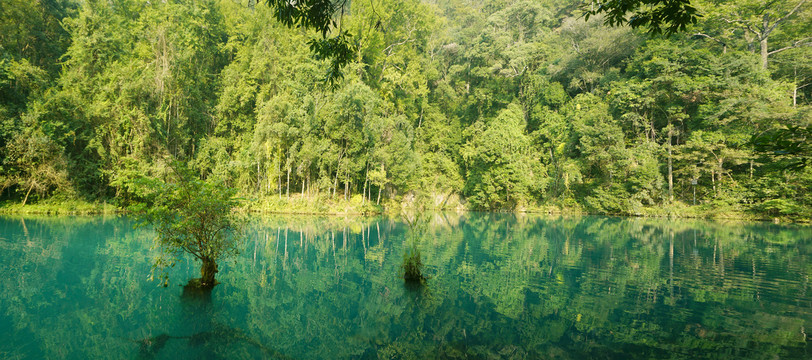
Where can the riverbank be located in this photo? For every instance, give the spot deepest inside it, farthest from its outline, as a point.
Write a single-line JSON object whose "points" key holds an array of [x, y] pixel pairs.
{"points": [[71, 207], [681, 210], [314, 205], [356, 205]]}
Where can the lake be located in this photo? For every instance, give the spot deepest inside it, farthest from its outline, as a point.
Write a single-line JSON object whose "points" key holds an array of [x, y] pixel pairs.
{"points": [[502, 286]]}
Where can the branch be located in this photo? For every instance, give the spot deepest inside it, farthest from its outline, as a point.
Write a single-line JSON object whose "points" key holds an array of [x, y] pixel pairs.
{"points": [[388, 49], [193, 252], [797, 43], [798, 6], [745, 25], [516, 73], [575, 46], [710, 37]]}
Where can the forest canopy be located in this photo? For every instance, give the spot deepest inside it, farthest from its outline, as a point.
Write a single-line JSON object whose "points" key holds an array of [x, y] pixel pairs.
{"points": [[498, 104]]}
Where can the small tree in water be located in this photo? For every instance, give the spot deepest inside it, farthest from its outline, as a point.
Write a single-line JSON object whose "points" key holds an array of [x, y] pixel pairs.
{"points": [[191, 216], [412, 261], [413, 265]]}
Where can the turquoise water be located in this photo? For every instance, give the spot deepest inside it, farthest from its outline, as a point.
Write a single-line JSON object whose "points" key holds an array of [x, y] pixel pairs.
{"points": [[502, 287]]}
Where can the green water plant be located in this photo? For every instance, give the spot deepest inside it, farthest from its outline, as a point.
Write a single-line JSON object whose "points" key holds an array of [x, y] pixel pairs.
{"points": [[412, 266]]}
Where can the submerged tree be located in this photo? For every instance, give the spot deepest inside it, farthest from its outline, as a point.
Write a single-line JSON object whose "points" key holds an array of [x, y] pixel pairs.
{"points": [[195, 217], [412, 262], [413, 265]]}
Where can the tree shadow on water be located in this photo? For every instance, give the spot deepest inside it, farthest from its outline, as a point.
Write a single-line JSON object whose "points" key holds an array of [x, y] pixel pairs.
{"points": [[419, 292], [218, 342], [209, 339], [414, 288], [195, 296]]}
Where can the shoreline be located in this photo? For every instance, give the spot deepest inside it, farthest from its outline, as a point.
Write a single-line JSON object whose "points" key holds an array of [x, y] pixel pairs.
{"points": [[314, 207]]}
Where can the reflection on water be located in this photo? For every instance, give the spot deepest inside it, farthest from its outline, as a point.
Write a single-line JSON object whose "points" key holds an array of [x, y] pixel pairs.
{"points": [[502, 287]]}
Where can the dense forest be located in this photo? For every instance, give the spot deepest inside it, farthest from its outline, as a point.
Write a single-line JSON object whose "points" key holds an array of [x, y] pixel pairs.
{"points": [[484, 105]]}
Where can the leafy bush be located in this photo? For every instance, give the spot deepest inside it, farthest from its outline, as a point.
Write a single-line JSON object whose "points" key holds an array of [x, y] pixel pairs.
{"points": [[779, 207], [608, 200]]}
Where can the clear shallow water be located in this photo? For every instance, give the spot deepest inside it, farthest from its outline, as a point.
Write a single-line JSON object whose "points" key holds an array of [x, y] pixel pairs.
{"points": [[502, 287]]}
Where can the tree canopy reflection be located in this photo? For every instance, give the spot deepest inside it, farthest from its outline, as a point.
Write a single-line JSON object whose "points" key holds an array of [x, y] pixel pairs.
{"points": [[502, 286]]}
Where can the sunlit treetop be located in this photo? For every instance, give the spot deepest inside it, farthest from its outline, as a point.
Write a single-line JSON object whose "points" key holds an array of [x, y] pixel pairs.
{"points": [[324, 16], [320, 15]]}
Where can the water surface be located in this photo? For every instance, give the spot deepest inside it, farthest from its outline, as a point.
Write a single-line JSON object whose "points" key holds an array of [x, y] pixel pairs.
{"points": [[502, 287]]}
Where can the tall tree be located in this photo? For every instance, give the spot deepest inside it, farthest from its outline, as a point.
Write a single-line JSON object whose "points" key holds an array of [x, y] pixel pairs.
{"points": [[763, 21]]}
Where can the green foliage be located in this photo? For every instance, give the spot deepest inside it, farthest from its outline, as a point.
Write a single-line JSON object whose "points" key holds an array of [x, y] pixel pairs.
{"points": [[496, 105], [33, 162], [319, 15], [788, 145], [60, 206], [608, 200], [779, 207], [596, 139], [190, 217], [669, 16], [500, 168], [644, 182]]}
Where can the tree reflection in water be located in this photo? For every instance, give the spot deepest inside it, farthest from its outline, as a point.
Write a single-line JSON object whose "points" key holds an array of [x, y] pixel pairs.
{"points": [[502, 286]]}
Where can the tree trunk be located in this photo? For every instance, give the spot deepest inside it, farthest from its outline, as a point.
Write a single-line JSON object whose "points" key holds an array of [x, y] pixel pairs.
{"points": [[764, 53], [287, 185], [335, 185], [364, 192], [751, 169], [557, 177], [721, 171], [207, 272], [670, 168], [795, 96], [26, 194]]}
